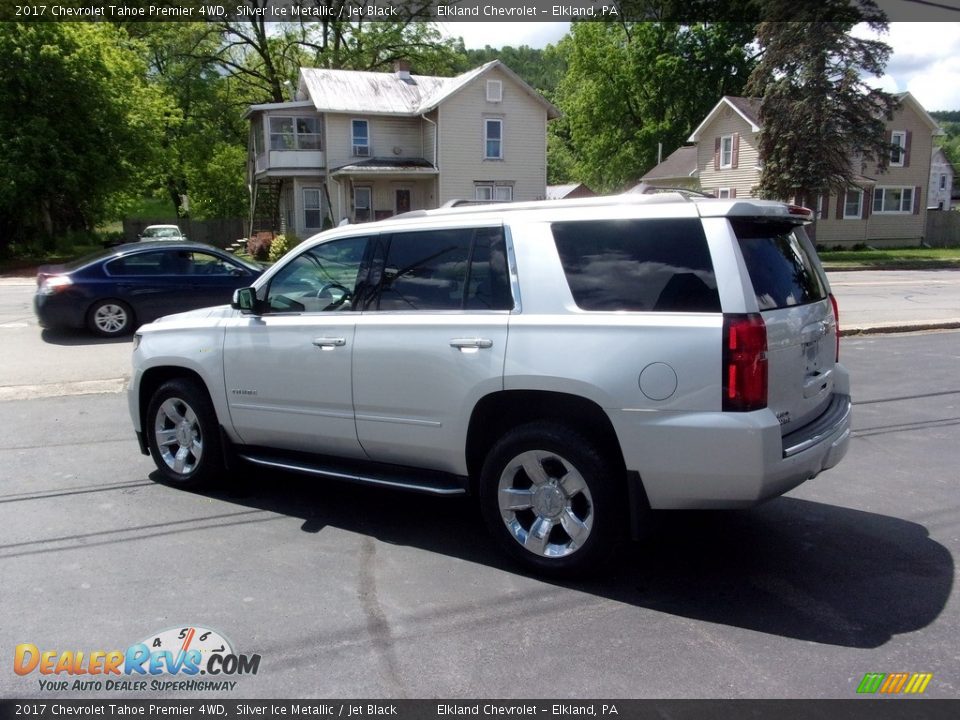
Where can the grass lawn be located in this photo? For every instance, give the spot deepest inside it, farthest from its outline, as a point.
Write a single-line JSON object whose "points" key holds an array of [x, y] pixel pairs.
{"points": [[913, 258]]}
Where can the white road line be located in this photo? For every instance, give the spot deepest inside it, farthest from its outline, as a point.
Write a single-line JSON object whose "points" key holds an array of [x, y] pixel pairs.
{"points": [[79, 387]]}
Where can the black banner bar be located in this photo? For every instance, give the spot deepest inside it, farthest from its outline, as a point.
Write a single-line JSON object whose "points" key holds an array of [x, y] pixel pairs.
{"points": [[192, 709]]}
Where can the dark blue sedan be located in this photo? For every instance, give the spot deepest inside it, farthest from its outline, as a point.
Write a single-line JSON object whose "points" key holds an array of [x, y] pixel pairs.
{"points": [[116, 290]]}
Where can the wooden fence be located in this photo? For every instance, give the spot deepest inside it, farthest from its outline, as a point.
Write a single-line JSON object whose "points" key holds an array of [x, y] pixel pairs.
{"points": [[943, 228]]}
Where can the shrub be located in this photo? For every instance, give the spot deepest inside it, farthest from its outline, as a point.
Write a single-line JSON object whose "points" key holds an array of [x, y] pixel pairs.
{"points": [[258, 246], [281, 245]]}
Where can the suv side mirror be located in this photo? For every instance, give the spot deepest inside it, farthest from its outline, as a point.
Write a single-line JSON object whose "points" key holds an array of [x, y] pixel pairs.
{"points": [[245, 300]]}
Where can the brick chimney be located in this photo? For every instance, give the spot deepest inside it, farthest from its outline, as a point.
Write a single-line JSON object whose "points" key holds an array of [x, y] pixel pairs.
{"points": [[401, 69]]}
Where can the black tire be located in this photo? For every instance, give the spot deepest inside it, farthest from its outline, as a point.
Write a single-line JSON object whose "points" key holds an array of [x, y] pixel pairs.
{"points": [[569, 520], [183, 434], [110, 318]]}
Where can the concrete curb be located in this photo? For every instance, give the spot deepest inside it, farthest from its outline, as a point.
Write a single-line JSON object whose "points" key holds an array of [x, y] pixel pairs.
{"points": [[903, 327]]}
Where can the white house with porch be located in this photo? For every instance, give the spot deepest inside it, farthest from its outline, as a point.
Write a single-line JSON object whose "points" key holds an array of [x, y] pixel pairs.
{"points": [[362, 146]]}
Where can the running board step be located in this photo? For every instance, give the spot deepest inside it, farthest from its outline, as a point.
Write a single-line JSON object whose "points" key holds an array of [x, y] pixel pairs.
{"points": [[393, 476]]}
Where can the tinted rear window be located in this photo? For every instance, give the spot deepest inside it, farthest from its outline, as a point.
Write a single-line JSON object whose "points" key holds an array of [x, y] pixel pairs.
{"points": [[638, 265], [780, 263]]}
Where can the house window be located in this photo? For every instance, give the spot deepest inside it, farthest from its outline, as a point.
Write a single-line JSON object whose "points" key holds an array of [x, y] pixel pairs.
{"points": [[726, 151], [294, 133], [943, 182], [893, 200], [362, 204], [724, 193], [312, 211], [258, 139], [493, 139], [308, 133], [281, 133], [495, 191], [494, 91], [853, 204], [361, 138], [899, 139]]}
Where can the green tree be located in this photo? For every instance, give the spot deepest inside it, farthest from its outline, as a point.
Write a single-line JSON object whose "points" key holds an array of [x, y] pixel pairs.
{"points": [[817, 111], [204, 123], [631, 87], [79, 125]]}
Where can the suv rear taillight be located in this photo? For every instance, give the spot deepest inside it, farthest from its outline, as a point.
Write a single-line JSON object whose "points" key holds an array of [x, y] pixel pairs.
{"points": [[836, 318], [744, 363]]}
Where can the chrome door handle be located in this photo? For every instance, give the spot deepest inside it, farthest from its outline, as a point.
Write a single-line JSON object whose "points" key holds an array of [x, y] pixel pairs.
{"points": [[329, 343], [471, 343]]}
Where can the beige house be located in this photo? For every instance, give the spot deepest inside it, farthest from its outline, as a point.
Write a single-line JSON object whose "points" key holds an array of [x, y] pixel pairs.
{"points": [[880, 208], [359, 146]]}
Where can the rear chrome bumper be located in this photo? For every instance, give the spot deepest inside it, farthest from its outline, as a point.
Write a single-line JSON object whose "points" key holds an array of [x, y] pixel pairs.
{"points": [[836, 416]]}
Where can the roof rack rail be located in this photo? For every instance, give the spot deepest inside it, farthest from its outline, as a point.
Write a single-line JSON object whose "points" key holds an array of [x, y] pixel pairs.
{"points": [[458, 207]]}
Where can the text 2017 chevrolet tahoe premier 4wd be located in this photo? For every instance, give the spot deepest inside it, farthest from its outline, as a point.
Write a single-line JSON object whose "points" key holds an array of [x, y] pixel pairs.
{"points": [[571, 364]]}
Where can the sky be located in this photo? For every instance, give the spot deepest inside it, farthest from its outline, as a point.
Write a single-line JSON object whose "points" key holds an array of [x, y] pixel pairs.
{"points": [[925, 59]]}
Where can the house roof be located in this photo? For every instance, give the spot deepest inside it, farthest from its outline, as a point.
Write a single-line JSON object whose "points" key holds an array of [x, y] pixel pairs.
{"points": [[381, 93], [386, 165], [559, 192], [749, 109], [907, 99], [681, 163], [746, 108]]}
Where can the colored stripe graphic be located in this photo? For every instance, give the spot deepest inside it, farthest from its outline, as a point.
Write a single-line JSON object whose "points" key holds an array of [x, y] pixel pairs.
{"points": [[918, 683], [894, 683], [871, 682]]}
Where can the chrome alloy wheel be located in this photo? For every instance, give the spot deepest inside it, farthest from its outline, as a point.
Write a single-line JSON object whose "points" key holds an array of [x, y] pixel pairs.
{"points": [[179, 439], [545, 503], [110, 318]]}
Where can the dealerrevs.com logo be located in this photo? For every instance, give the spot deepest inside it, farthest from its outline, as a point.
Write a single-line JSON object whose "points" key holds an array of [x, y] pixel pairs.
{"points": [[170, 660]]}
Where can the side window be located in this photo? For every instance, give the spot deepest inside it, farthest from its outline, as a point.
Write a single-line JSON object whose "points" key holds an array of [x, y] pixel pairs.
{"points": [[321, 279], [158, 262], [208, 264], [463, 268], [425, 270], [488, 286], [781, 264], [639, 265]]}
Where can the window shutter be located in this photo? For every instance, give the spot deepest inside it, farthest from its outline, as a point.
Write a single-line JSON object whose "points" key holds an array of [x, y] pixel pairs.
{"points": [[906, 148], [825, 208], [716, 153], [916, 200], [841, 199], [733, 191], [867, 204], [735, 160]]}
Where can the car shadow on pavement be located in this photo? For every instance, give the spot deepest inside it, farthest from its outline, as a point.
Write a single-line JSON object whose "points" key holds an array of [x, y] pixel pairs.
{"points": [[793, 568], [65, 336]]}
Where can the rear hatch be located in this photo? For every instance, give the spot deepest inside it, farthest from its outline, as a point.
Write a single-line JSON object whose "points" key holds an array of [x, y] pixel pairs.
{"points": [[794, 300]]}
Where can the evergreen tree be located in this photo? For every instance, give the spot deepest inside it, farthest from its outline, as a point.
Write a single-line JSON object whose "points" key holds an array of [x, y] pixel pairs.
{"points": [[821, 122]]}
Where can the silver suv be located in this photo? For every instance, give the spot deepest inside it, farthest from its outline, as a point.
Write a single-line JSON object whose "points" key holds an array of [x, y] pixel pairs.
{"points": [[570, 364]]}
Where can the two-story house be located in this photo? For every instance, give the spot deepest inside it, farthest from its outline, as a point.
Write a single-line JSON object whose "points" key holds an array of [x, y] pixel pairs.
{"points": [[880, 207], [361, 146]]}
